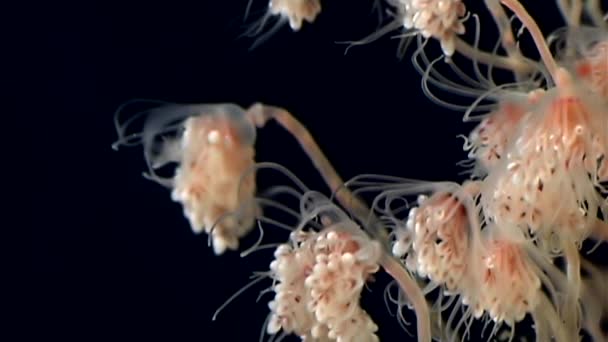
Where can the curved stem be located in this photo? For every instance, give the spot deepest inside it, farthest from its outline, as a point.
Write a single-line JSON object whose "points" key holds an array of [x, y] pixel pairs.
{"points": [[576, 10], [423, 322], [564, 6], [503, 23], [549, 323], [571, 313], [593, 299], [571, 11], [535, 32], [260, 114]]}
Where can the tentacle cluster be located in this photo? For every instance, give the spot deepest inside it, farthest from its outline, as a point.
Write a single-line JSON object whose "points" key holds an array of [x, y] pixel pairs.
{"points": [[296, 11], [440, 19], [490, 245], [209, 184], [318, 282]]}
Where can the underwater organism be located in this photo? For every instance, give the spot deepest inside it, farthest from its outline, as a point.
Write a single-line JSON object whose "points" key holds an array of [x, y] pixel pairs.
{"points": [[498, 248]]}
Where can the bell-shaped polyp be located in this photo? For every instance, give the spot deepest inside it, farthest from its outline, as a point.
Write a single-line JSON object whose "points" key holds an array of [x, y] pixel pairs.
{"points": [[569, 128], [436, 237], [295, 11], [540, 200], [212, 146], [441, 227], [214, 181], [442, 20], [489, 140], [553, 167], [288, 270], [509, 286], [319, 275], [509, 279]]}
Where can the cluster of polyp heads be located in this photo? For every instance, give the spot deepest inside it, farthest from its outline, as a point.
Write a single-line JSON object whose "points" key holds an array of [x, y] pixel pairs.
{"points": [[501, 246]]}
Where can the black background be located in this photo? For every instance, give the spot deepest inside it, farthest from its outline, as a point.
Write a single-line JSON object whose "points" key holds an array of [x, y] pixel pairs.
{"points": [[113, 257]]}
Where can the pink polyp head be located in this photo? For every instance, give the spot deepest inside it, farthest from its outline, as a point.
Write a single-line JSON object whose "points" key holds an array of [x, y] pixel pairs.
{"points": [[217, 152]]}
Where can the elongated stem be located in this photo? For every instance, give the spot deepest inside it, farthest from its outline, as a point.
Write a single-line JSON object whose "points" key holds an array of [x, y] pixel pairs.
{"points": [[594, 299], [535, 32], [549, 322], [571, 11], [576, 11], [571, 312], [260, 114], [423, 322], [504, 27], [564, 8]]}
